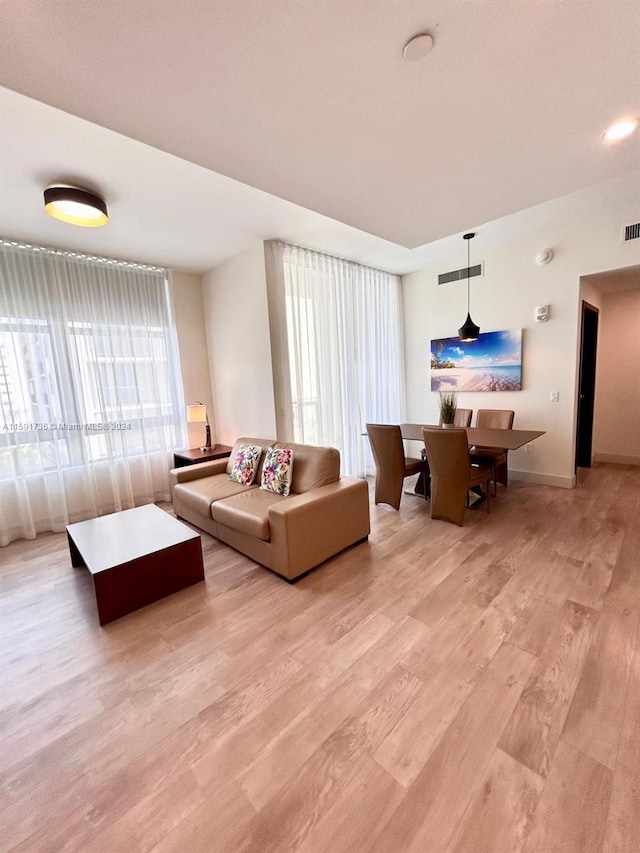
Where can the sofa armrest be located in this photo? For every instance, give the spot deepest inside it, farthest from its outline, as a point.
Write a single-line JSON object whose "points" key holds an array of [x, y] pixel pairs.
{"points": [[196, 472], [309, 528]]}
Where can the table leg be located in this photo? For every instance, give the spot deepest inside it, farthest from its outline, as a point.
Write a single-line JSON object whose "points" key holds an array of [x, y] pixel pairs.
{"points": [[423, 483]]}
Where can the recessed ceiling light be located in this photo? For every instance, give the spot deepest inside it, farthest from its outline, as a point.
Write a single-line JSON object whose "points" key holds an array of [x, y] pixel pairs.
{"points": [[418, 46], [620, 129], [75, 206]]}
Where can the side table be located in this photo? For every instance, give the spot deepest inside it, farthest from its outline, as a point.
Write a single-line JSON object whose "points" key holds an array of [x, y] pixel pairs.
{"points": [[181, 458]]}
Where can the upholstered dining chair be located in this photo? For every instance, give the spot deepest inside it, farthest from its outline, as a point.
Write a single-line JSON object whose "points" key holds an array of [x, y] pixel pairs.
{"points": [[452, 474], [392, 466], [496, 459], [462, 418]]}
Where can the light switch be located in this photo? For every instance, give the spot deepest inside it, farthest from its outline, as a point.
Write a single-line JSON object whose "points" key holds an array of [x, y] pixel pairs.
{"points": [[555, 396]]}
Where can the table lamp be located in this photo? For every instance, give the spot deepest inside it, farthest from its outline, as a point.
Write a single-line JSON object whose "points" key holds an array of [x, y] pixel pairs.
{"points": [[197, 414]]}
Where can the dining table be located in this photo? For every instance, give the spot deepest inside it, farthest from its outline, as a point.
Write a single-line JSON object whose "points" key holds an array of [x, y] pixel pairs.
{"points": [[496, 439]]}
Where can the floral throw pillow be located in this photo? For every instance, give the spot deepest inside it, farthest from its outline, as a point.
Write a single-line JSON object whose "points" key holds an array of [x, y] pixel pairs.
{"points": [[245, 465], [276, 471]]}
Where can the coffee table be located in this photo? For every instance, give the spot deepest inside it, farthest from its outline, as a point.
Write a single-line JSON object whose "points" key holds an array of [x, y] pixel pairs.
{"points": [[135, 557]]}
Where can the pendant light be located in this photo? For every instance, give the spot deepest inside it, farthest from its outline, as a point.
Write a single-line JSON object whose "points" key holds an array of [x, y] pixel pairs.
{"points": [[468, 331]]}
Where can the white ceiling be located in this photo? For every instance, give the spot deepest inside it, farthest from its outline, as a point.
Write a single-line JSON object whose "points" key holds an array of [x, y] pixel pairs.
{"points": [[615, 281], [312, 103]]}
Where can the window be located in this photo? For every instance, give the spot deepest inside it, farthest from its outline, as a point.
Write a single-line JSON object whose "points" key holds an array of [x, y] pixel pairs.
{"points": [[305, 396], [28, 394], [343, 348], [91, 401], [119, 398]]}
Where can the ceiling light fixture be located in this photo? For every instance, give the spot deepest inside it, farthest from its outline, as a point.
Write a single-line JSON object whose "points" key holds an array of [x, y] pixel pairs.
{"points": [[468, 331], [418, 46], [75, 206], [620, 130]]}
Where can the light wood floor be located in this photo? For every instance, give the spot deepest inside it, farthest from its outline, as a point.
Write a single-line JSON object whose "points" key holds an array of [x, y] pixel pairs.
{"points": [[437, 689]]}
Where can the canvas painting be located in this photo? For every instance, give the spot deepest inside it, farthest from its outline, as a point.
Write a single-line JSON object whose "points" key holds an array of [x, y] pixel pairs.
{"points": [[492, 363]]}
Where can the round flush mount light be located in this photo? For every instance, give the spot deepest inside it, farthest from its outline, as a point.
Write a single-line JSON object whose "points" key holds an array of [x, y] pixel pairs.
{"points": [[418, 46], [75, 206], [620, 130]]}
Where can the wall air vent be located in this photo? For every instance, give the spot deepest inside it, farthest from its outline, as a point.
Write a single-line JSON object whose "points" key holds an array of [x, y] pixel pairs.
{"points": [[460, 275], [630, 232]]}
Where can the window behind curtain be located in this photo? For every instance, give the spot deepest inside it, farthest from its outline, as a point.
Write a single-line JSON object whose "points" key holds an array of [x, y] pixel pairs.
{"points": [[345, 350], [89, 385]]}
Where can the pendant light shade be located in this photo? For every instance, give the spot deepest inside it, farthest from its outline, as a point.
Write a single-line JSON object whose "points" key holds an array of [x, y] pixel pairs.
{"points": [[468, 331], [75, 206]]}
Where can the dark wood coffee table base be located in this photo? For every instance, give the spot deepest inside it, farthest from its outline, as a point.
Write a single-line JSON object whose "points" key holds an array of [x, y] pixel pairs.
{"points": [[126, 586]]}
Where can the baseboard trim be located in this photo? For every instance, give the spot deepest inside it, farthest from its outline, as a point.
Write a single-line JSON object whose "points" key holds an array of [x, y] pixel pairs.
{"points": [[616, 458], [544, 479]]}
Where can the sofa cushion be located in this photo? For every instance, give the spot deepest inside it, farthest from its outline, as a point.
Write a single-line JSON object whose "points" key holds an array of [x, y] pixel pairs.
{"points": [[199, 494], [277, 470], [315, 466], [247, 512], [245, 464], [258, 442]]}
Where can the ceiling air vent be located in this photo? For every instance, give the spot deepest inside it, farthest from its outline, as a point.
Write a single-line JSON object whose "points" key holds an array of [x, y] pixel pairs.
{"points": [[630, 232], [460, 275]]}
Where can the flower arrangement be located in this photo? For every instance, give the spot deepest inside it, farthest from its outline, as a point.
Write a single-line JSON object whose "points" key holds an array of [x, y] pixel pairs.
{"points": [[448, 405]]}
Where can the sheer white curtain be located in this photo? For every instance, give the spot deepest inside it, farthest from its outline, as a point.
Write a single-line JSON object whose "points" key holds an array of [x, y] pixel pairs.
{"points": [[344, 350], [90, 388]]}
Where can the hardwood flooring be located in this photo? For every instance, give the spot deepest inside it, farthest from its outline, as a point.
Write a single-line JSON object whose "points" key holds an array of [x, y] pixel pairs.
{"points": [[436, 689]]}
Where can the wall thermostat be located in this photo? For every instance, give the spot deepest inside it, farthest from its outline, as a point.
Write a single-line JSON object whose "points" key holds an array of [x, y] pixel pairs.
{"points": [[542, 313]]}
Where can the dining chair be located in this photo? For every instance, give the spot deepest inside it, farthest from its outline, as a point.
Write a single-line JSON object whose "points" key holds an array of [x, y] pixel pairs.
{"points": [[392, 466], [496, 459], [452, 474], [462, 418]]}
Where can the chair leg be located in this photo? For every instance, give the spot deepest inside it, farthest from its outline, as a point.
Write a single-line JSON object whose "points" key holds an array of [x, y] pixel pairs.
{"points": [[388, 494], [494, 480]]}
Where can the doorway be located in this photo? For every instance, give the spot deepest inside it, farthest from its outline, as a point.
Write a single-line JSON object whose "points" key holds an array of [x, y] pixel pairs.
{"points": [[586, 385]]}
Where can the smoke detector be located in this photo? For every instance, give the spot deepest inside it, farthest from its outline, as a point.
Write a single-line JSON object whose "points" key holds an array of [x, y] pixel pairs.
{"points": [[544, 256]]}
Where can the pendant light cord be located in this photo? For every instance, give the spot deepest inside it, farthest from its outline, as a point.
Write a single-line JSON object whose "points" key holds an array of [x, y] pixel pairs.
{"points": [[468, 331], [468, 278]]}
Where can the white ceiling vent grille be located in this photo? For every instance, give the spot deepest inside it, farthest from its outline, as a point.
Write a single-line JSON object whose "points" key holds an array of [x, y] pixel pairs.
{"points": [[630, 232], [459, 275]]}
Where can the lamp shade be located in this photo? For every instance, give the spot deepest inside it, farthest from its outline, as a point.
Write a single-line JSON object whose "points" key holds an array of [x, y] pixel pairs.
{"points": [[197, 413], [468, 331], [75, 206]]}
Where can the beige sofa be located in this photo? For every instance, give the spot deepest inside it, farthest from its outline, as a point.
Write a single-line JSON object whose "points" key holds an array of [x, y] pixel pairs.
{"points": [[290, 535]]}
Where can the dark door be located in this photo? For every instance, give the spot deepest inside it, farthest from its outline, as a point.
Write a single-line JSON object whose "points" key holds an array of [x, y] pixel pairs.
{"points": [[586, 384]]}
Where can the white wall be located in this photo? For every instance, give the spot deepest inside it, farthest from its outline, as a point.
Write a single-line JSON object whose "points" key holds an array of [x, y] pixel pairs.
{"points": [[237, 321], [188, 307], [616, 425], [590, 294], [584, 232]]}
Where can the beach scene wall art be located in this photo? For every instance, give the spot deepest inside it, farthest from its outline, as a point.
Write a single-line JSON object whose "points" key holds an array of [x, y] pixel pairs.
{"points": [[492, 363]]}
